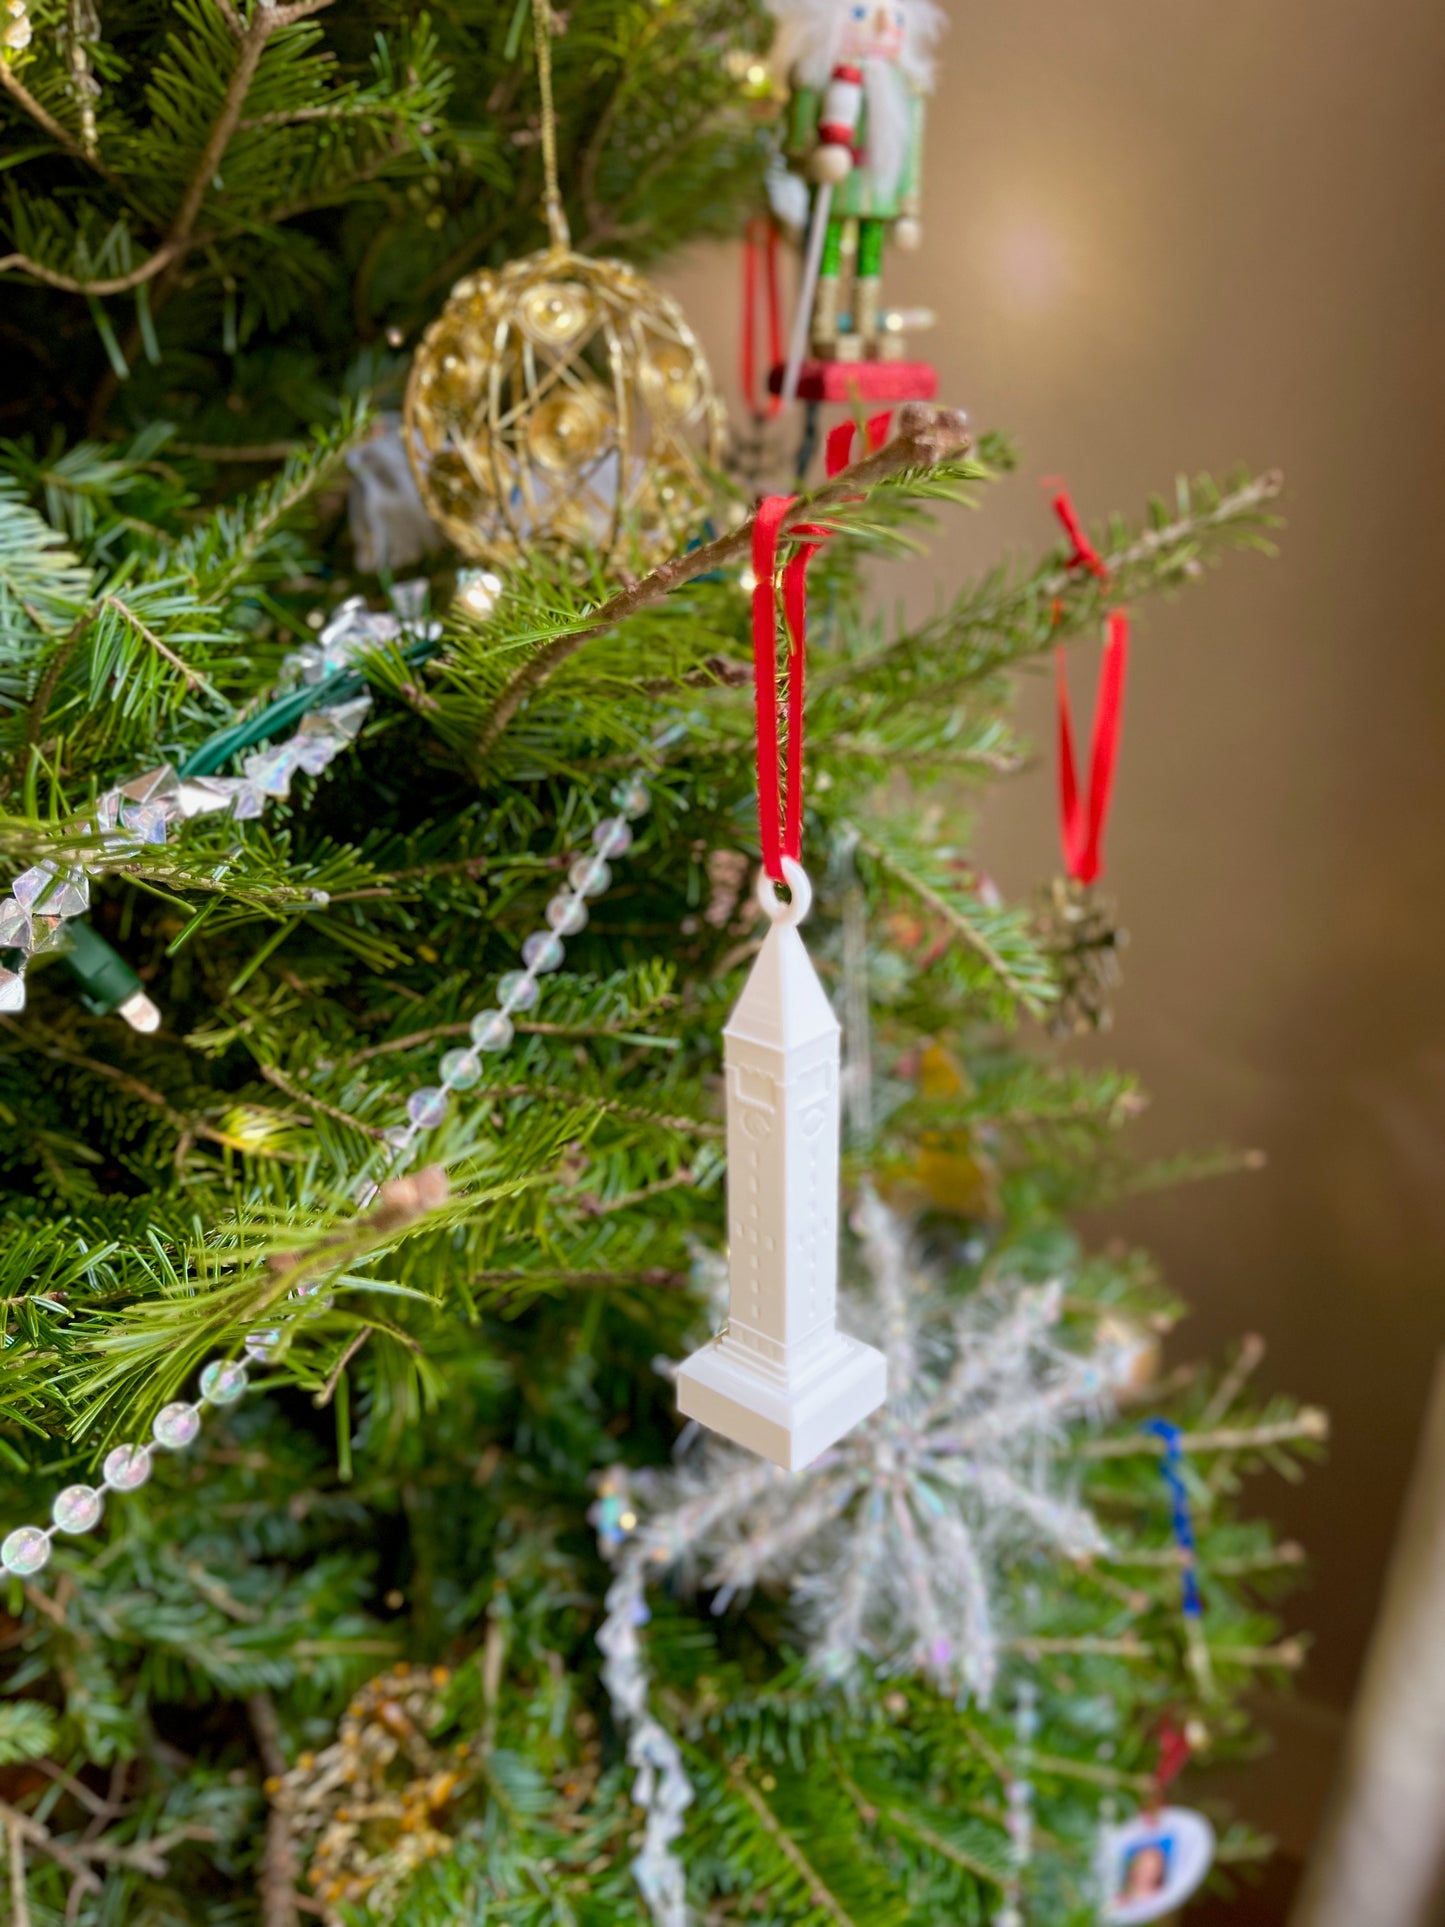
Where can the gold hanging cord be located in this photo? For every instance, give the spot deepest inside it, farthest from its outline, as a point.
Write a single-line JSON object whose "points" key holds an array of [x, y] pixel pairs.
{"points": [[552, 196]]}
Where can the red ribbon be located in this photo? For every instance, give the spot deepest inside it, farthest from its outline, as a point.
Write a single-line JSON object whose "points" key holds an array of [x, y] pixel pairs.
{"points": [[780, 807], [1085, 555], [767, 248], [1175, 1753], [1082, 819]]}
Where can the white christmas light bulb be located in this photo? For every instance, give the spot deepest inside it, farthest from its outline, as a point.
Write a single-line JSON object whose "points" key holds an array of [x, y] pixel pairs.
{"points": [[782, 1379]]}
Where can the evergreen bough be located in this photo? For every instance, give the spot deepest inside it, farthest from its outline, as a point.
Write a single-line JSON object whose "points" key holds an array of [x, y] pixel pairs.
{"points": [[202, 312]]}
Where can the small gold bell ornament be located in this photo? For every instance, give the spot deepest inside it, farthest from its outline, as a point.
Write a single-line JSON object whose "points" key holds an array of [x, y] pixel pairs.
{"points": [[561, 403]]}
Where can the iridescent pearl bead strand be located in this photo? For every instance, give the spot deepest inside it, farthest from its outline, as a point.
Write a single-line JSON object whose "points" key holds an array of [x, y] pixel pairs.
{"points": [[127, 1467], [78, 1508], [589, 873]]}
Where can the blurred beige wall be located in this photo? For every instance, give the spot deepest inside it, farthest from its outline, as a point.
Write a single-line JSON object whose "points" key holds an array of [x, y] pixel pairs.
{"points": [[1164, 236]]}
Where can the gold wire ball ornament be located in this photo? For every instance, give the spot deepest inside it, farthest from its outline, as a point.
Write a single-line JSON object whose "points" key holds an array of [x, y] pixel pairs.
{"points": [[561, 403]]}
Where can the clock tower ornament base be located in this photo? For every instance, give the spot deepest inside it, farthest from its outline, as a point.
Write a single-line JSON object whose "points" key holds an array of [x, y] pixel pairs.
{"points": [[782, 1379]]}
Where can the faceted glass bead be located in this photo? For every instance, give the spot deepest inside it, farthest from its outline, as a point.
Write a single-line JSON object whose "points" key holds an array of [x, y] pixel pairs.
{"points": [[566, 914], [41, 888], [70, 897], [613, 836], [31, 884], [153, 787], [127, 1467], [12, 991], [518, 990], [348, 621], [77, 1508], [46, 933], [543, 951], [15, 930], [348, 717], [589, 876], [249, 802], [492, 1030], [145, 821], [271, 770], [427, 1107], [203, 795], [632, 796], [461, 1069], [176, 1425], [25, 1550], [223, 1381], [317, 743]]}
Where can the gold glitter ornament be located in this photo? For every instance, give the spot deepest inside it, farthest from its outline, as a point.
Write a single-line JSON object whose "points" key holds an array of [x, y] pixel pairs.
{"points": [[1079, 928], [561, 403], [375, 1805]]}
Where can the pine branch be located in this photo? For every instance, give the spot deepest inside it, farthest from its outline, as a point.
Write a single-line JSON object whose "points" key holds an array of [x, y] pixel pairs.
{"points": [[1311, 1424], [817, 1892], [926, 438], [1008, 621], [1001, 939], [129, 616]]}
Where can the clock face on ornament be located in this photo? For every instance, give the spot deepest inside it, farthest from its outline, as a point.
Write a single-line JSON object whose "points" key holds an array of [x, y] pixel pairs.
{"points": [[1153, 1863]]}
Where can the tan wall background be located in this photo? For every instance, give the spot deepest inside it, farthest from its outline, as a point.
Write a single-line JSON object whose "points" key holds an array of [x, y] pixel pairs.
{"points": [[1163, 236]]}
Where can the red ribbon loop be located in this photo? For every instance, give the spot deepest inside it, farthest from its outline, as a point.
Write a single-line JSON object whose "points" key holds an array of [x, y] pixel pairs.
{"points": [[777, 840], [1082, 820], [1175, 1753], [1081, 823], [780, 809], [1085, 555], [760, 239]]}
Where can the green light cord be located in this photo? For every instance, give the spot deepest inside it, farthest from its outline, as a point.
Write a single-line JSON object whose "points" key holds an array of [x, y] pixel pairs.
{"points": [[106, 981], [339, 687]]}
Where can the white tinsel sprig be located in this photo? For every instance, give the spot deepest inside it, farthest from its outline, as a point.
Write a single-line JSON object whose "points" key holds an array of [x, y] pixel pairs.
{"points": [[889, 1542]]}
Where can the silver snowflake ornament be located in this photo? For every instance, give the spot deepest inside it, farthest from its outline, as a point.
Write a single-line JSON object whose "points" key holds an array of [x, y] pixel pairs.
{"points": [[889, 1542]]}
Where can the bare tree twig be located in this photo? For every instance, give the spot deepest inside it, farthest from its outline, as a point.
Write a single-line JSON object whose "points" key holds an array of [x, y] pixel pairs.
{"points": [[284, 1084], [279, 1866], [1251, 1356], [62, 136], [1311, 1424], [129, 616], [19, 1906], [148, 269], [20, 1828], [328, 1390]]}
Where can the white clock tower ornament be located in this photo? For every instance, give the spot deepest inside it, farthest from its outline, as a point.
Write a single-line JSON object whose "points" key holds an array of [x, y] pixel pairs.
{"points": [[781, 1379]]}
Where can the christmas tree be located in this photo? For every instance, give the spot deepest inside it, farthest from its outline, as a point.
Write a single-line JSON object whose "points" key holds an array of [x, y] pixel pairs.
{"points": [[370, 924]]}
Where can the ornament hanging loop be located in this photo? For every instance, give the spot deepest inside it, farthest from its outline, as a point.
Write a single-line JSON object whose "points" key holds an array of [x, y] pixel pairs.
{"points": [[775, 909], [557, 226]]}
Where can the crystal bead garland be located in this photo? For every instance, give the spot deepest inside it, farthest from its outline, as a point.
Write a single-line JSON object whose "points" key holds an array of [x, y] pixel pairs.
{"points": [[127, 1467], [223, 1381], [140, 811], [1020, 1819], [588, 875]]}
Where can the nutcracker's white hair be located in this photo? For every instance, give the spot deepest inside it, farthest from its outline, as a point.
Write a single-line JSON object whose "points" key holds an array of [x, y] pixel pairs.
{"points": [[809, 32]]}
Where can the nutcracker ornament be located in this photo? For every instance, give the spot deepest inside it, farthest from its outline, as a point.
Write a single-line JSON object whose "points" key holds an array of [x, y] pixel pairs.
{"points": [[859, 70]]}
